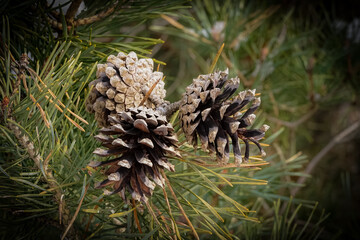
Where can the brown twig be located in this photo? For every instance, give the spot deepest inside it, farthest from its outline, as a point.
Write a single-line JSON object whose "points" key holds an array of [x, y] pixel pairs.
{"points": [[137, 222], [95, 18], [313, 163], [91, 217], [75, 215], [70, 14], [296, 123], [162, 218], [168, 109], [24, 61], [309, 71], [55, 24], [151, 211], [29, 146], [83, 21], [179, 205]]}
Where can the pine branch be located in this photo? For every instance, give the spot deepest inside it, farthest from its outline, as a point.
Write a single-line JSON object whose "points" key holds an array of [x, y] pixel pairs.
{"points": [[29, 146], [313, 163], [168, 109], [298, 122], [74, 6], [79, 22], [95, 18]]}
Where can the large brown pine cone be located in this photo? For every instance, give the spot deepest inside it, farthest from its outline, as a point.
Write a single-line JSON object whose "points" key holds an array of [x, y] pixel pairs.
{"points": [[140, 139], [122, 83], [206, 112]]}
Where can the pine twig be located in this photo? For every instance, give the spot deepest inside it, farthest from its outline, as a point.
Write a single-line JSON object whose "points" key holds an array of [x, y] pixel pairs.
{"points": [[136, 216], [70, 14], [55, 24], [29, 146], [95, 18], [83, 21], [168, 109], [163, 219], [151, 211], [24, 61], [337, 139], [296, 123], [75, 215]]}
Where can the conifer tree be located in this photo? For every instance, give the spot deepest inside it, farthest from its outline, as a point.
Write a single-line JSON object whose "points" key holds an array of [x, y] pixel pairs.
{"points": [[96, 145]]}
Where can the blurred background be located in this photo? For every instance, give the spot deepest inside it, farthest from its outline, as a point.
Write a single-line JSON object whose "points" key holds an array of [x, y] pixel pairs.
{"points": [[304, 59], [302, 56]]}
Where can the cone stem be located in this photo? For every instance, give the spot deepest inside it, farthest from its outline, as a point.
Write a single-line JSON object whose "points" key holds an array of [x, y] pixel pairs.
{"points": [[169, 109]]}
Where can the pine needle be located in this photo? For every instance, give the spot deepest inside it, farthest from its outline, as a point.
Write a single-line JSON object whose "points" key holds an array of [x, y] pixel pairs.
{"points": [[163, 219], [168, 205], [181, 27], [216, 58], [91, 217], [75, 215], [54, 96], [42, 112], [179, 205], [149, 92], [151, 211]]}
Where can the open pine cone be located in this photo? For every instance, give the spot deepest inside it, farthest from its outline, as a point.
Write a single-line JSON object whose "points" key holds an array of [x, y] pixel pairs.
{"points": [[206, 112], [122, 83], [139, 139]]}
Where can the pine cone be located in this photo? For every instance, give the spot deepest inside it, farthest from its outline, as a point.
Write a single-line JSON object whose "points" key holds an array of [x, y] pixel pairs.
{"points": [[122, 83], [139, 138], [206, 112]]}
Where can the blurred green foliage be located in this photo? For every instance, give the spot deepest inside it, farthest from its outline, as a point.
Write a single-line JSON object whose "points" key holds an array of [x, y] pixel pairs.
{"points": [[304, 59]]}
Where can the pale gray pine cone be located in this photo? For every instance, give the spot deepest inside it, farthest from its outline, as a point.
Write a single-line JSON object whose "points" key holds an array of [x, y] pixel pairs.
{"points": [[139, 139], [207, 113], [122, 83]]}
